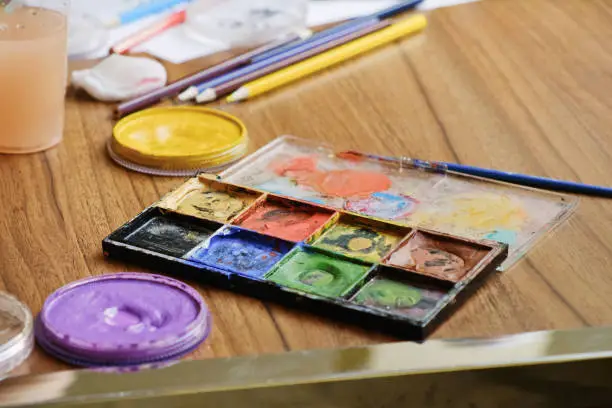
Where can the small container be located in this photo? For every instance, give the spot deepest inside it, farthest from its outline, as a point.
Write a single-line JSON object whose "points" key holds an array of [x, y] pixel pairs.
{"points": [[16, 338], [178, 141], [33, 70], [123, 319], [244, 22]]}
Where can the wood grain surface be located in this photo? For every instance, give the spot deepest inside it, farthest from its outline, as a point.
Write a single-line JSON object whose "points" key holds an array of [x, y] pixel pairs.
{"points": [[519, 85]]}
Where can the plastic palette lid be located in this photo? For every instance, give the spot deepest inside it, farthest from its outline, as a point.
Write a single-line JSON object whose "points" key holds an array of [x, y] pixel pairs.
{"points": [[122, 319], [16, 339], [178, 139]]}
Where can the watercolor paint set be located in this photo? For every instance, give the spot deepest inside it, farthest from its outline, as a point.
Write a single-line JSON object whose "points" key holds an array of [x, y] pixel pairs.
{"points": [[339, 264], [388, 248]]}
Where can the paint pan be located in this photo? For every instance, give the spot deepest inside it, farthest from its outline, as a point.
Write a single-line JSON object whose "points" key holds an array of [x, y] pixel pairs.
{"points": [[165, 233], [240, 251], [318, 272], [122, 319], [282, 218], [16, 333], [205, 198], [438, 256], [360, 237], [397, 297], [169, 235]]}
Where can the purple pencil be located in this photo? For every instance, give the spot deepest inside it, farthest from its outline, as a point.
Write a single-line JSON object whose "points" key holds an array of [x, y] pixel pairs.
{"points": [[211, 94], [176, 87]]}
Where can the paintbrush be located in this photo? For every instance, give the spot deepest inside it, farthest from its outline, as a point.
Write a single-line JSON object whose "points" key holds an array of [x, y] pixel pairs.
{"points": [[499, 175]]}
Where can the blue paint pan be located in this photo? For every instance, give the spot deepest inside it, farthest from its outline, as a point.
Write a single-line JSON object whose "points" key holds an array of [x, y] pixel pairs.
{"points": [[240, 251]]}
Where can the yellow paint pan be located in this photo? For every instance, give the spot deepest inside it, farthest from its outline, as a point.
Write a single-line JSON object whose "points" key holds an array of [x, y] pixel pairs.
{"points": [[179, 138]]}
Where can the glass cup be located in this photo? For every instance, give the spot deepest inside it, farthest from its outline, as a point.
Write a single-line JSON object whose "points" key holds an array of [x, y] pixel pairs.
{"points": [[33, 74]]}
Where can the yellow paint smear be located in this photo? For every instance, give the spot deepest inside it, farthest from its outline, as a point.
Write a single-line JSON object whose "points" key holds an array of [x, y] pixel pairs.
{"points": [[483, 211]]}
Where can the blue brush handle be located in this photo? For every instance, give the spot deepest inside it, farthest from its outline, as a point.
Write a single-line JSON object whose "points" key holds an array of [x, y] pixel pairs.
{"points": [[514, 178], [147, 9], [282, 56], [532, 181], [396, 9], [380, 15]]}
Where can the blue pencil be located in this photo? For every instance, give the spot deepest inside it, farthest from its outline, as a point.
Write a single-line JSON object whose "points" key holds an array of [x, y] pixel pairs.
{"points": [[513, 178], [380, 15], [194, 91]]}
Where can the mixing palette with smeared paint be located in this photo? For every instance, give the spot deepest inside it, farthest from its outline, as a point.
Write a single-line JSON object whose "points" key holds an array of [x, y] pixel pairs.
{"points": [[392, 189], [336, 263]]}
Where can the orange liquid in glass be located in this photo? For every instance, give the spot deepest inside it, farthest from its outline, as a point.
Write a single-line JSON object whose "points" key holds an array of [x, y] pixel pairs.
{"points": [[33, 67]]}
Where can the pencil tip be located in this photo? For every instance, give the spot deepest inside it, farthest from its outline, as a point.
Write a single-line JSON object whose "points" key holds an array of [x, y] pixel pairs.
{"points": [[304, 33], [188, 94], [207, 95], [240, 95]]}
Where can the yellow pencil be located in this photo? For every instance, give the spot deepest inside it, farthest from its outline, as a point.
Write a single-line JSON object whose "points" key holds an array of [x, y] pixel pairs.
{"points": [[317, 63]]}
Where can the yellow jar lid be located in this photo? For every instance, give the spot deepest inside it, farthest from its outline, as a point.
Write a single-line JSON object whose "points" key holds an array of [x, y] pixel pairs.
{"points": [[181, 137]]}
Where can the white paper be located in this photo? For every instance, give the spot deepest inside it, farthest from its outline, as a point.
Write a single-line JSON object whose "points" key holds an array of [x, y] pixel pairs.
{"points": [[434, 4], [331, 11], [176, 47]]}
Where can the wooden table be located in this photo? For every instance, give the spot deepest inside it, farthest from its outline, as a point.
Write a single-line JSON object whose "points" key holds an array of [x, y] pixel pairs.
{"points": [[521, 85]]}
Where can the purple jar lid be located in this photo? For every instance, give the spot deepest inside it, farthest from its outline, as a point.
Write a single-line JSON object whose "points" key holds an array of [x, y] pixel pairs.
{"points": [[122, 319]]}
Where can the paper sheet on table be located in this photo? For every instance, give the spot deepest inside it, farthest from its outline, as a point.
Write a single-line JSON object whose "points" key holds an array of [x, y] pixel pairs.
{"points": [[331, 11], [176, 47]]}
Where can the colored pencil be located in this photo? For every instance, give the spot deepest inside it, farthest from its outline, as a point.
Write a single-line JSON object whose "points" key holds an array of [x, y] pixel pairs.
{"points": [[143, 10], [174, 88], [172, 20], [544, 183], [211, 94], [327, 59], [379, 15], [194, 91]]}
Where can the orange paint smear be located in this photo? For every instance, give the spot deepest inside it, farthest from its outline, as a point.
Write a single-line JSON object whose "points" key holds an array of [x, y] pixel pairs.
{"points": [[299, 164], [348, 183], [350, 156], [335, 183]]}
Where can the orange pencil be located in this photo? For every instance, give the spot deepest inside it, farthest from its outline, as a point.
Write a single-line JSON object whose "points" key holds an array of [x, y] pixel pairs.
{"points": [[149, 32]]}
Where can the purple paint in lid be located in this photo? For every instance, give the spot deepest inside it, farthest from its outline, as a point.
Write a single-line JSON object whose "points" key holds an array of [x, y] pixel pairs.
{"points": [[122, 319]]}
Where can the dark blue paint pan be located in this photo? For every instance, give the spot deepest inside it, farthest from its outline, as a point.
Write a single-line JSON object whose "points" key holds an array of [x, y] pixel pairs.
{"points": [[240, 251]]}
